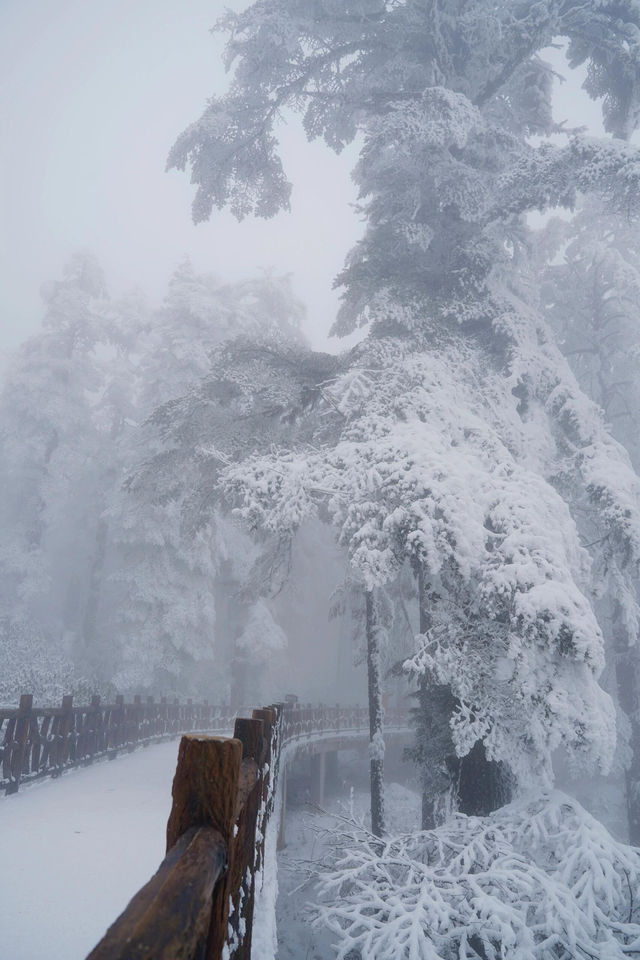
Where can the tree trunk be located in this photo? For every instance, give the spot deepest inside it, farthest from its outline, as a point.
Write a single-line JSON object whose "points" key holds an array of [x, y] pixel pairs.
{"points": [[238, 687], [95, 584], [483, 785], [480, 785], [434, 750], [230, 620], [376, 740], [628, 681]]}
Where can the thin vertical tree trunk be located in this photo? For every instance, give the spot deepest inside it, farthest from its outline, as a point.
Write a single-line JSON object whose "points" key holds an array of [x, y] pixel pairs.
{"points": [[376, 739], [95, 584], [230, 620], [628, 682], [434, 750]]}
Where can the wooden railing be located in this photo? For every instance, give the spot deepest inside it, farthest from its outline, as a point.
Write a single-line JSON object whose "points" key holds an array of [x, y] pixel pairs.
{"points": [[37, 742], [200, 903]]}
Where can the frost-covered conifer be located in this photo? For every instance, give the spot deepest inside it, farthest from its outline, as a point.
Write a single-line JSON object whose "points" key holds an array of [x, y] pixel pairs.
{"points": [[589, 276], [171, 551], [50, 456], [460, 465], [423, 473]]}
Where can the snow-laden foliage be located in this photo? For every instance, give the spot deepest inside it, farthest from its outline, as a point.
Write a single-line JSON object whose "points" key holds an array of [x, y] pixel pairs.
{"points": [[168, 615], [262, 636], [540, 878], [588, 274], [341, 64], [33, 663], [198, 315], [50, 452], [171, 554], [432, 466], [106, 560], [480, 484]]}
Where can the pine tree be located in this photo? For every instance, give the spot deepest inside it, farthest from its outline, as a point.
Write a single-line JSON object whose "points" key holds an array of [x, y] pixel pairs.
{"points": [[448, 101], [49, 455], [172, 551], [589, 275]]}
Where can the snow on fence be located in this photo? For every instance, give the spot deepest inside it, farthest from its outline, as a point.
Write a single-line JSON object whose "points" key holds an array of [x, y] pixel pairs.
{"points": [[200, 903], [37, 742]]}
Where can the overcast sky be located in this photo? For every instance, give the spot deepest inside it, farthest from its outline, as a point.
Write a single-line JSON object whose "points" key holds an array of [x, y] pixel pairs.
{"points": [[92, 95]]}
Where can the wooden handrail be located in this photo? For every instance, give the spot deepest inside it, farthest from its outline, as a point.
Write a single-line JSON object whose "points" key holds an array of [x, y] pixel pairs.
{"points": [[200, 903], [225, 787], [45, 741], [171, 915]]}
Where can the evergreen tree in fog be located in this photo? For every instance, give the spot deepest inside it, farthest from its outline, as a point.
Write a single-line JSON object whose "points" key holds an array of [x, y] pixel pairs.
{"points": [[50, 456], [467, 447]]}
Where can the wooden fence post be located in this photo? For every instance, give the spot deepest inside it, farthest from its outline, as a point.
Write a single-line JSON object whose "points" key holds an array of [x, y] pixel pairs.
{"points": [[204, 792], [91, 726], [164, 716], [115, 732], [135, 713], [282, 837], [19, 742], [40, 745], [268, 719], [174, 711], [149, 721], [243, 862], [63, 734]]}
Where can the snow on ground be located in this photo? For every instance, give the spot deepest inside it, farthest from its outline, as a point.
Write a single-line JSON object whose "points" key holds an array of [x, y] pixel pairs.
{"points": [[305, 850], [75, 850]]}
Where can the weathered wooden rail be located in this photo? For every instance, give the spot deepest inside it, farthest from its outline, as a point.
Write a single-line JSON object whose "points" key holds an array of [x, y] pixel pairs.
{"points": [[45, 741], [200, 903]]}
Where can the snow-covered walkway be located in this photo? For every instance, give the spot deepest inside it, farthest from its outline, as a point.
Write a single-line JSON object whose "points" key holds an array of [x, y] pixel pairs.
{"points": [[73, 852]]}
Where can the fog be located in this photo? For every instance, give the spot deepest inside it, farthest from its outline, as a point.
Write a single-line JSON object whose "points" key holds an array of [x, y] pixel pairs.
{"points": [[92, 97], [429, 520]]}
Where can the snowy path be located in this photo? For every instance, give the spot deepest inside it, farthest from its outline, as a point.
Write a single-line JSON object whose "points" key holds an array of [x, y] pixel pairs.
{"points": [[74, 851]]}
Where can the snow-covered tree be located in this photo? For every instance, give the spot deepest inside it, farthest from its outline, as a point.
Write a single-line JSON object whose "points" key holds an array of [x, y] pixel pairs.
{"points": [[198, 315], [108, 565], [453, 107], [50, 451], [170, 551], [424, 474], [589, 276], [588, 273]]}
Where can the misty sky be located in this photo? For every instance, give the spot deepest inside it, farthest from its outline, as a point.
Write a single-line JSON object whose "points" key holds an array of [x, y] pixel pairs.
{"points": [[92, 95]]}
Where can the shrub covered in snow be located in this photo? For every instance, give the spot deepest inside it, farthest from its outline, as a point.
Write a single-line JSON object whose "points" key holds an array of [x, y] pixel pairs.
{"points": [[32, 663], [538, 879]]}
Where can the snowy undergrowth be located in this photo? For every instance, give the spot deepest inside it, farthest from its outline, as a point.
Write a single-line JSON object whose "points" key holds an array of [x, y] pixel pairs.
{"points": [[309, 851], [538, 879]]}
